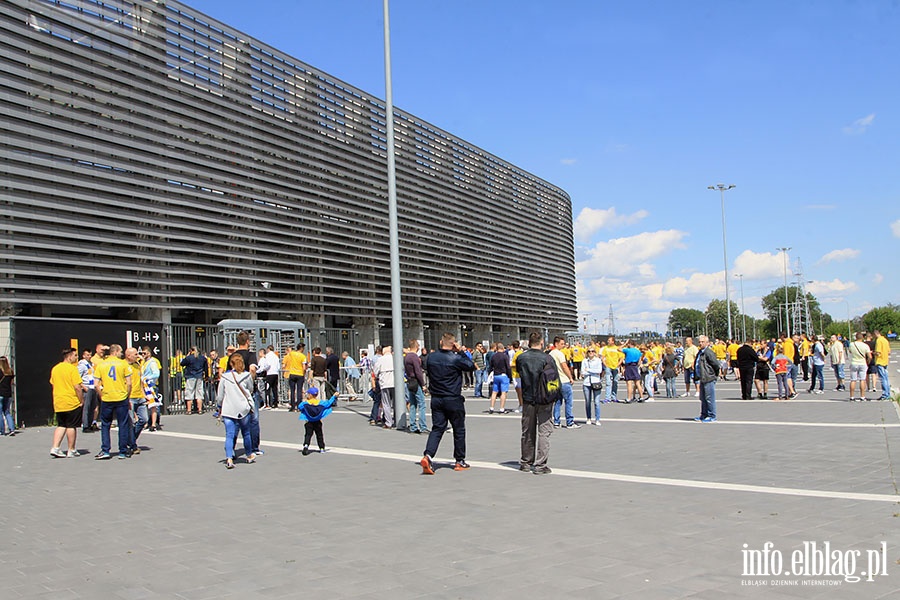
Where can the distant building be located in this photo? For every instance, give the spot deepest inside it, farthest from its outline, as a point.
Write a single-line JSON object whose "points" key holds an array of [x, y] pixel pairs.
{"points": [[157, 164]]}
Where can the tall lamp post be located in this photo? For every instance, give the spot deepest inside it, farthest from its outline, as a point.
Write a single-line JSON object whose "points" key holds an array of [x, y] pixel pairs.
{"points": [[722, 189], [787, 321], [743, 314]]}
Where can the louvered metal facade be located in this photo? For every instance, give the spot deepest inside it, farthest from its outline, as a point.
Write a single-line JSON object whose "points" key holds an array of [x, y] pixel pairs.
{"points": [[155, 159]]}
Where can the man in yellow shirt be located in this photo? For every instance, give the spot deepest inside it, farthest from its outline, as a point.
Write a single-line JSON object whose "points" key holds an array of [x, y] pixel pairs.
{"points": [[137, 400], [577, 359], [113, 381], [733, 347], [882, 358], [805, 353], [721, 352], [612, 358], [516, 382], [294, 366], [68, 396]]}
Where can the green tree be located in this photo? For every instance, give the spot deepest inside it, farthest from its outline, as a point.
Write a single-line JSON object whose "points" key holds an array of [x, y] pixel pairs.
{"points": [[717, 315], [686, 321], [773, 305], [883, 318]]}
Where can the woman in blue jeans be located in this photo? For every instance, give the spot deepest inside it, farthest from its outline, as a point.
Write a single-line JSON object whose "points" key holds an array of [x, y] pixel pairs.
{"points": [[592, 371], [7, 424], [235, 401]]}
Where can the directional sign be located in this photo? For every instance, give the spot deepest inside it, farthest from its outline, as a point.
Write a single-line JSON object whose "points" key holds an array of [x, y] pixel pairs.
{"points": [[38, 343]]}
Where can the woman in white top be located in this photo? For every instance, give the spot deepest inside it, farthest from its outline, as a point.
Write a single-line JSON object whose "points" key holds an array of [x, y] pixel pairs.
{"points": [[234, 399], [592, 372]]}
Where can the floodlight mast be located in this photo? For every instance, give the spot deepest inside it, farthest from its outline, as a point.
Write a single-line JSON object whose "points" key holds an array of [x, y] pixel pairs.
{"points": [[722, 188]]}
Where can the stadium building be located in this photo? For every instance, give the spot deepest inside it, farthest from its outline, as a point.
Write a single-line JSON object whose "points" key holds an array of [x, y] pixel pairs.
{"points": [[158, 165]]}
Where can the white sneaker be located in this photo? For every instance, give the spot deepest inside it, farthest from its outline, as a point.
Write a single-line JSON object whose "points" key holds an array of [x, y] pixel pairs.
{"points": [[57, 453], [597, 423], [684, 395], [73, 454], [650, 399], [696, 394]]}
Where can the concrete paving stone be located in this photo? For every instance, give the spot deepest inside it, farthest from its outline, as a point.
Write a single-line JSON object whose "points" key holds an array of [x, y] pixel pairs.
{"points": [[363, 523]]}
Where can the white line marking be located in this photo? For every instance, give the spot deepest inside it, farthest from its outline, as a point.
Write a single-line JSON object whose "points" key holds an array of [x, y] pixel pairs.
{"points": [[686, 483], [690, 421]]}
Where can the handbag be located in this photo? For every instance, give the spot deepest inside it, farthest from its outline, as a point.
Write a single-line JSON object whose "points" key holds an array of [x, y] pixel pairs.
{"points": [[244, 392]]}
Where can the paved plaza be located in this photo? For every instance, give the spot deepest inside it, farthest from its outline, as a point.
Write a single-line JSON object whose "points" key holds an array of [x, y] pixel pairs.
{"points": [[649, 506]]}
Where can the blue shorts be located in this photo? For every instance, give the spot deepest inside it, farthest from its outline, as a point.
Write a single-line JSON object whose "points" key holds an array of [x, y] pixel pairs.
{"points": [[500, 384]]}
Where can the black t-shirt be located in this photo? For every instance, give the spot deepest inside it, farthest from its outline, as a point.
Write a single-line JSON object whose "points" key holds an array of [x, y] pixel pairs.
{"points": [[871, 345], [248, 356], [6, 385]]}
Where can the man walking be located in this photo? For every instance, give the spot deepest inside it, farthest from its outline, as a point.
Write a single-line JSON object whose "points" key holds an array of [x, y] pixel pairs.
{"points": [[445, 378], [536, 418], [706, 369]]}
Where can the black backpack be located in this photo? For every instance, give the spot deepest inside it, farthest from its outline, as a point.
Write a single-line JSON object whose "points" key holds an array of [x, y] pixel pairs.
{"points": [[548, 384]]}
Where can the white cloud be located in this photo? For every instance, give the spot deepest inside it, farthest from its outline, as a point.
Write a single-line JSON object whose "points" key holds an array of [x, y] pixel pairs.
{"points": [[760, 265], [591, 220], [824, 288], [895, 227], [859, 126], [878, 278], [568, 161], [698, 285], [839, 255], [626, 256]]}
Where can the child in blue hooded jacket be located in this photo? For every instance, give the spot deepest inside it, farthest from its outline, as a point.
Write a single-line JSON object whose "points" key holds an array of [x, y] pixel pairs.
{"points": [[313, 412]]}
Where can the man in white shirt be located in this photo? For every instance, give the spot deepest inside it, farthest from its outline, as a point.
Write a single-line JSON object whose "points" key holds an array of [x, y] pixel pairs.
{"points": [[859, 363], [565, 378], [384, 371], [836, 355], [273, 375]]}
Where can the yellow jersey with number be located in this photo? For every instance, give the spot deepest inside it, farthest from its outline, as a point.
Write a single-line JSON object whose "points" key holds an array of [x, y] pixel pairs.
{"points": [[112, 374]]}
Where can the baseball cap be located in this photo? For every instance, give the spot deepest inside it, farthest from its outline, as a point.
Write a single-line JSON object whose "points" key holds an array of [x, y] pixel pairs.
{"points": [[312, 391]]}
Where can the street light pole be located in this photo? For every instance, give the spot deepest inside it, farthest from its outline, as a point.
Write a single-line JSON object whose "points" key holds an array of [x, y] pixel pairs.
{"points": [[393, 220], [787, 322], [743, 315], [849, 330], [722, 189]]}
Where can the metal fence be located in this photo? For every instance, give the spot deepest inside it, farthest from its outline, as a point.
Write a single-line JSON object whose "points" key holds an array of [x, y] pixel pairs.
{"points": [[209, 337]]}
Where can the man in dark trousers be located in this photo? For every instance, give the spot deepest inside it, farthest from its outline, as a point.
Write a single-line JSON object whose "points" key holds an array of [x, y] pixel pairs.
{"points": [[537, 419], [746, 363], [445, 377]]}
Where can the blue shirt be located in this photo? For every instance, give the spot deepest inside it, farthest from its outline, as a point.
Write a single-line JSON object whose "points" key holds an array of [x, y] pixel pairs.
{"points": [[632, 355]]}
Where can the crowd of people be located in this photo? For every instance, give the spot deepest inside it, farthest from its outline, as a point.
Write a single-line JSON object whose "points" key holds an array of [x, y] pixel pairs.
{"points": [[113, 387]]}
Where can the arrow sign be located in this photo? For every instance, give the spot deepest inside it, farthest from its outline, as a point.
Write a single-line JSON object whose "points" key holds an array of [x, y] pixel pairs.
{"points": [[155, 337]]}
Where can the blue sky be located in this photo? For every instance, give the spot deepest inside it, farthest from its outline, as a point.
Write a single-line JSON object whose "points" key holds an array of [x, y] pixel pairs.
{"points": [[634, 108]]}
